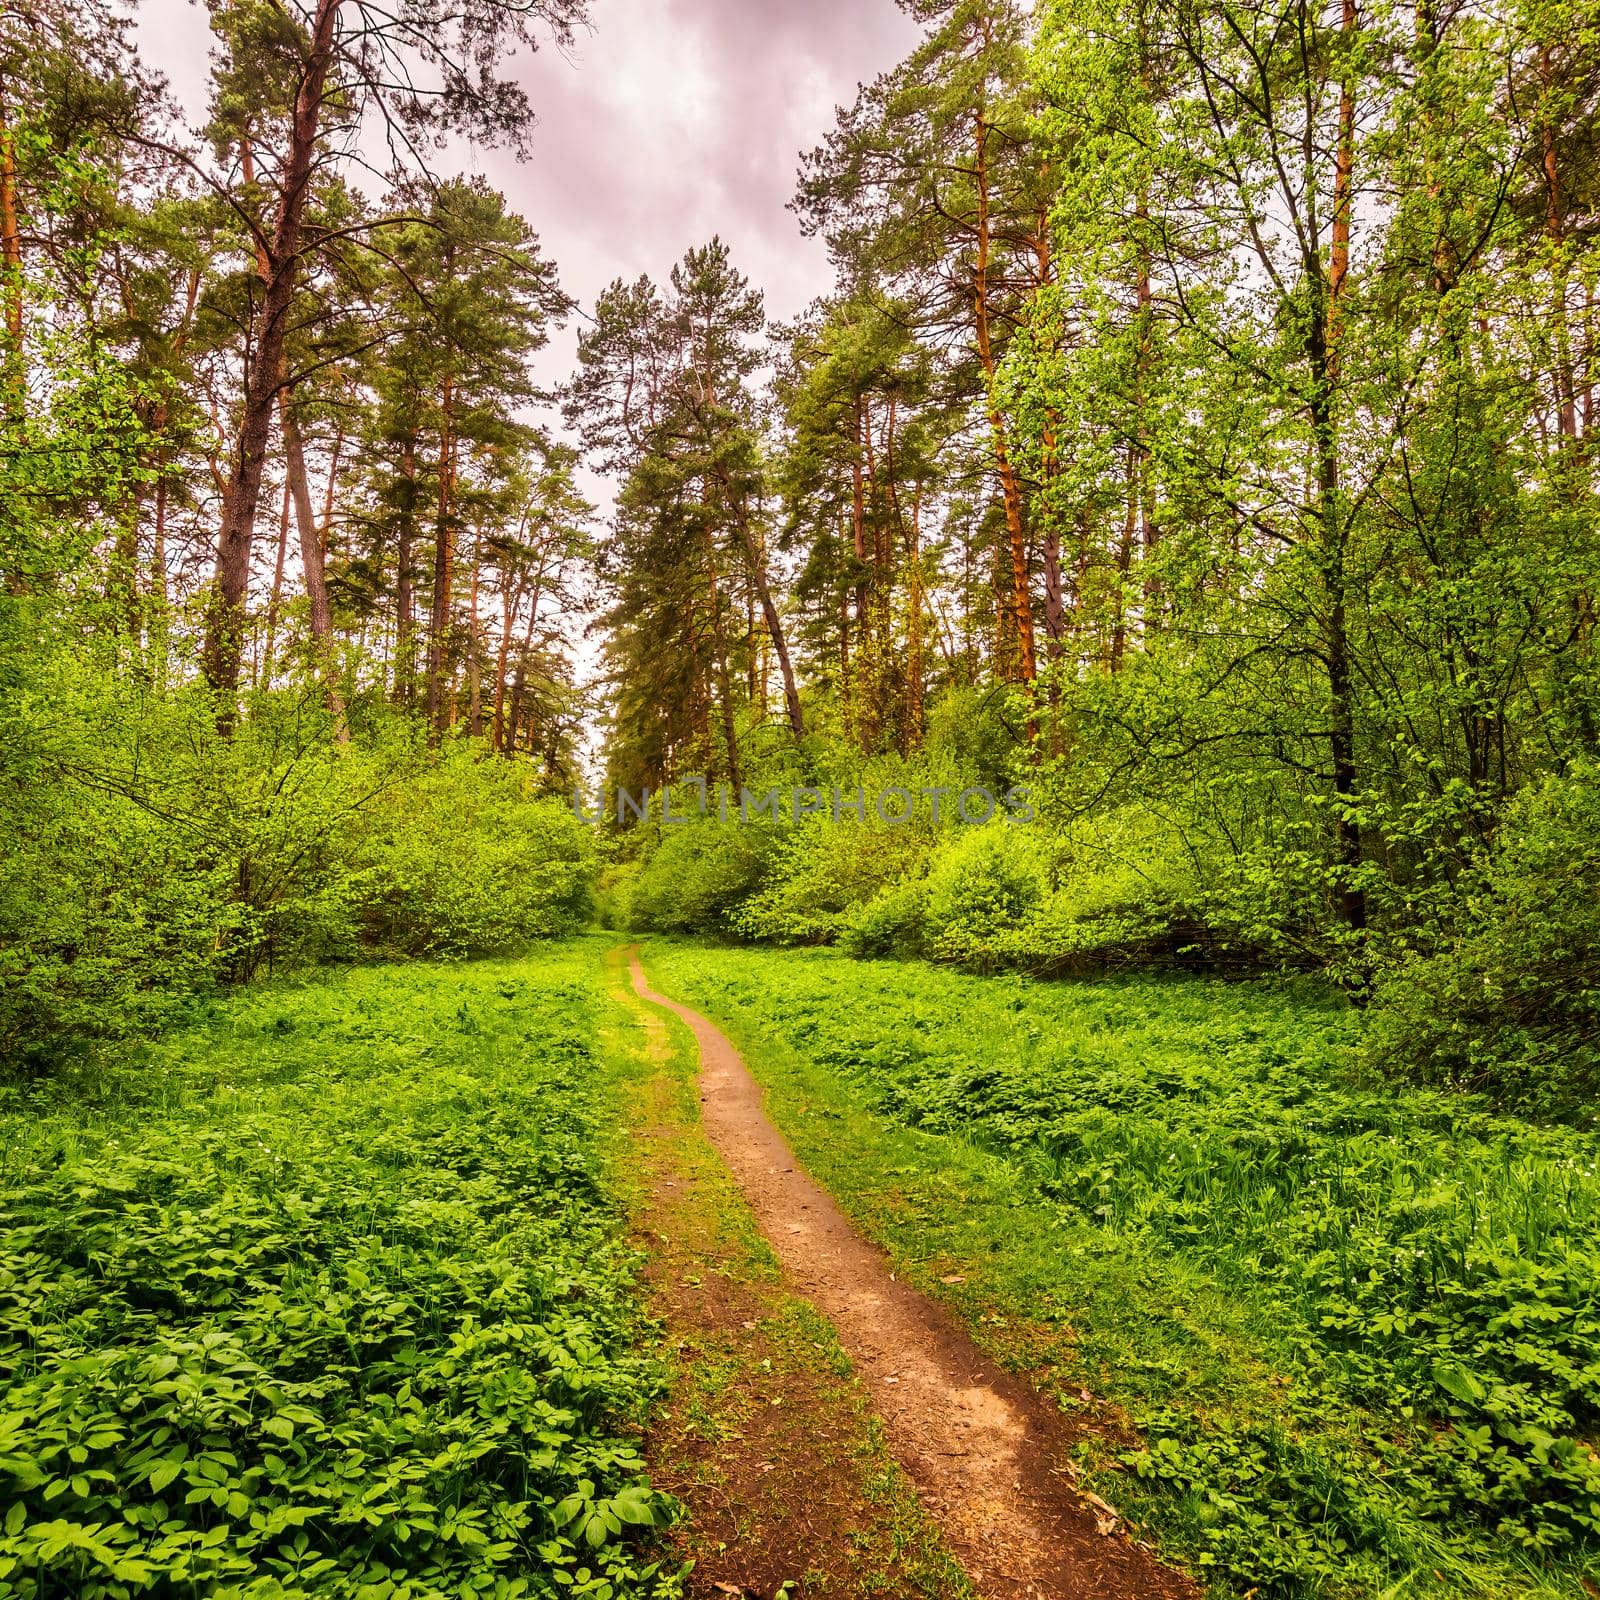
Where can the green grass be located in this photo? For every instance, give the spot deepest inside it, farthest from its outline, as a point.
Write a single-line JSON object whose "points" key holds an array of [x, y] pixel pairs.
{"points": [[329, 1296], [1354, 1331]]}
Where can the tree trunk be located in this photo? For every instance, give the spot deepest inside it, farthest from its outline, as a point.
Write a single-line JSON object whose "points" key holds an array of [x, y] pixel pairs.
{"points": [[1343, 179], [1325, 338], [276, 597], [1021, 604], [158, 542], [863, 695], [846, 719], [1055, 610], [404, 601], [312, 559], [914, 701], [769, 610], [10, 250], [514, 721], [1141, 485], [508, 608], [1130, 523], [474, 684], [443, 557], [235, 536], [719, 636]]}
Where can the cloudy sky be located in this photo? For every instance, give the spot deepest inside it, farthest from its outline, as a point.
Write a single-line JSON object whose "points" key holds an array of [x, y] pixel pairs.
{"points": [[671, 121]]}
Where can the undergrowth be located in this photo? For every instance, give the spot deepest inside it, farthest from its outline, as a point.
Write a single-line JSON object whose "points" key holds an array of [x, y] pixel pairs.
{"points": [[326, 1297]]}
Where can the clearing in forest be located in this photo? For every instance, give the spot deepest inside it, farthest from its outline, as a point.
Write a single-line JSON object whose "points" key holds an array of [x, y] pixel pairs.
{"points": [[408, 1280], [1320, 1335]]}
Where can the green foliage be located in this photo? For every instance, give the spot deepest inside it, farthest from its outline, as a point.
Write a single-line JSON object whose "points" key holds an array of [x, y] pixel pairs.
{"points": [[614, 895], [821, 871], [699, 875], [983, 883], [1422, 1276], [892, 923], [466, 859], [152, 859], [327, 1297], [1511, 1003], [1125, 891]]}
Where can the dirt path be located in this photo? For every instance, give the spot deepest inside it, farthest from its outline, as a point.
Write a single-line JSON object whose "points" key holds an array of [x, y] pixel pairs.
{"points": [[984, 1451], [766, 1435]]}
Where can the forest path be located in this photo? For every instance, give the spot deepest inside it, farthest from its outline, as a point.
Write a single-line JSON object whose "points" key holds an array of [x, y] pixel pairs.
{"points": [[985, 1453]]}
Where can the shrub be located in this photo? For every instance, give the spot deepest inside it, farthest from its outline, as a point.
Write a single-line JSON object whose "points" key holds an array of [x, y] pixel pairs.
{"points": [[699, 874], [1126, 891], [108, 922], [1511, 1004], [157, 859], [984, 883], [822, 872], [892, 923], [465, 860], [614, 896]]}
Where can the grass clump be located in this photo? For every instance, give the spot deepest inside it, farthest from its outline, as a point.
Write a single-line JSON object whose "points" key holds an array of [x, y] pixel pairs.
{"points": [[328, 1298]]}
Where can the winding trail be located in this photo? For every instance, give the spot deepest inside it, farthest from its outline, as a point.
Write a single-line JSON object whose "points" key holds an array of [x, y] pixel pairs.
{"points": [[985, 1453]]}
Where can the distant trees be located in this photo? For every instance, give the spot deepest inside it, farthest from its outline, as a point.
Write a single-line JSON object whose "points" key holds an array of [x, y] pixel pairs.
{"points": [[663, 397]]}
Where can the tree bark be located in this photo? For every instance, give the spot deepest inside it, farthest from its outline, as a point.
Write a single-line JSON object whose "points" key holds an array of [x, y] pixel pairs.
{"points": [[719, 637], [404, 600], [235, 536], [275, 599], [769, 610], [313, 565], [914, 699], [474, 682], [10, 241], [1326, 331], [1021, 603], [1130, 522], [443, 557], [863, 693], [508, 606]]}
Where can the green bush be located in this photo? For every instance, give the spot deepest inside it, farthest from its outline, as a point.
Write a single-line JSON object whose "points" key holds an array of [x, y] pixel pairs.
{"points": [[614, 895], [892, 923], [466, 859], [984, 883], [108, 922], [155, 859], [822, 872], [1511, 1004], [699, 874]]}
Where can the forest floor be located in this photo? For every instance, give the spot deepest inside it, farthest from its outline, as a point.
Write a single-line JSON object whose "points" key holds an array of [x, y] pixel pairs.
{"points": [[767, 1436], [400, 1280], [988, 1459], [1296, 1316]]}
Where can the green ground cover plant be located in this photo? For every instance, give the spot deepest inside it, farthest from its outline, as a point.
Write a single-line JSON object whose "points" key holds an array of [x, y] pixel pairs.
{"points": [[1355, 1329], [328, 1296]]}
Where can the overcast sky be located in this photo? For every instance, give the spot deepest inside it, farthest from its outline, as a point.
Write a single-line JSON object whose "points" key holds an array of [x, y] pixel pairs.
{"points": [[671, 121]]}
